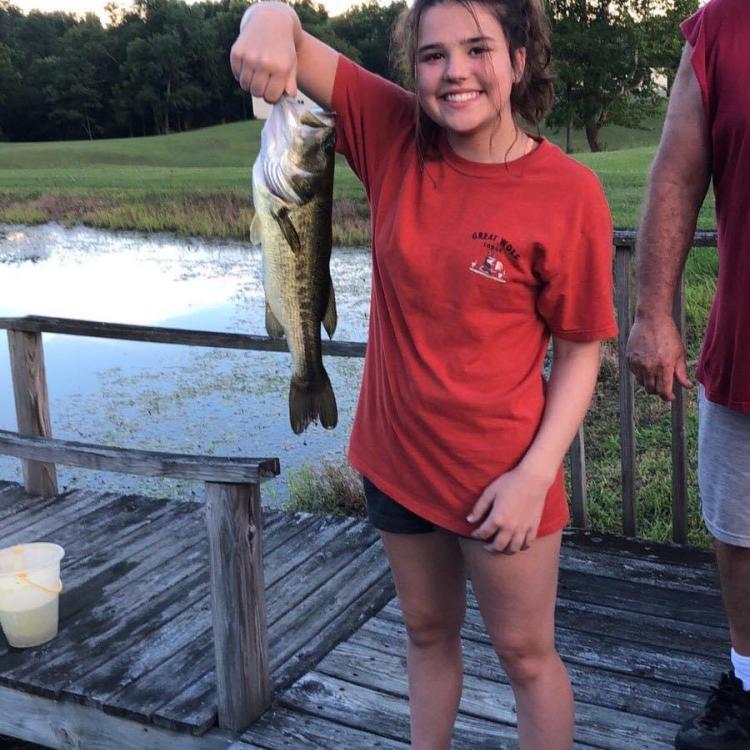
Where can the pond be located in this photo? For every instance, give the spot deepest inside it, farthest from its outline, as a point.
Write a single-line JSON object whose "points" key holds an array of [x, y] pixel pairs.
{"points": [[159, 396]]}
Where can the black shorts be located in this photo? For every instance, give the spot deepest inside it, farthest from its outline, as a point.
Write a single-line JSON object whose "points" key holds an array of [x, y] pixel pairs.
{"points": [[386, 514]]}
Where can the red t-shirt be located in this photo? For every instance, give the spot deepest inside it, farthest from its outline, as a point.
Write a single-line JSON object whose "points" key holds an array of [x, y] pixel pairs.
{"points": [[720, 36], [473, 265]]}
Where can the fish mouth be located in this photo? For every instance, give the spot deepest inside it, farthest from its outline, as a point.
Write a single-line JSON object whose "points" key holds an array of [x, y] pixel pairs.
{"points": [[315, 117], [296, 145], [318, 118]]}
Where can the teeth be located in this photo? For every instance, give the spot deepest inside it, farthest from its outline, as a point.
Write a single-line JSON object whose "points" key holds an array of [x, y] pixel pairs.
{"points": [[462, 97]]}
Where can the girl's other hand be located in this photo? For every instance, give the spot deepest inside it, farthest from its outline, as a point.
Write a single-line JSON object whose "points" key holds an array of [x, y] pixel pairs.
{"points": [[510, 509], [264, 56]]}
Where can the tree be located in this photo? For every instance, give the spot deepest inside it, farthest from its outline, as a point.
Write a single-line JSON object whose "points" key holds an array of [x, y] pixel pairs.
{"points": [[368, 28], [10, 80], [604, 76], [75, 90], [231, 102], [165, 63], [314, 19], [158, 65], [664, 41]]}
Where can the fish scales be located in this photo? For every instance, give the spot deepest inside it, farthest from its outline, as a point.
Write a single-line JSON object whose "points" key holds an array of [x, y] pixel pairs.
{"points": [[293, 196]]}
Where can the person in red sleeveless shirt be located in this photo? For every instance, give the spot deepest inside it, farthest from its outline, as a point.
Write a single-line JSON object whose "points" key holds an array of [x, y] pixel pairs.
{"points": [[707, 136], [486, 242]]}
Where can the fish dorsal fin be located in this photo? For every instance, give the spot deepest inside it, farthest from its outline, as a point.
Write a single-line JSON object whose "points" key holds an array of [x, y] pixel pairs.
{"points": [[281, 215], [255, 236], [330, 319]]}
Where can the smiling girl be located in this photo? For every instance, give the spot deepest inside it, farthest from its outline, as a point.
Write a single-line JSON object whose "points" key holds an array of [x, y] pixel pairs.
{"points": [[458, 437]]}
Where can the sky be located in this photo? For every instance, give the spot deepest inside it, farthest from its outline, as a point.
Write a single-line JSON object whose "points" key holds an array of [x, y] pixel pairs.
{"points": [[97, 6]]}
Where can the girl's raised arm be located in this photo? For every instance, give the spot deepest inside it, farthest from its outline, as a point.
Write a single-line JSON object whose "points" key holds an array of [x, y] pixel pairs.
{"points": [[273, 54]]}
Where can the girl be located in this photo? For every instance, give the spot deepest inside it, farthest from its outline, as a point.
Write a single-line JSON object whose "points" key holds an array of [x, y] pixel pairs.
{"points": [[458, 436]]}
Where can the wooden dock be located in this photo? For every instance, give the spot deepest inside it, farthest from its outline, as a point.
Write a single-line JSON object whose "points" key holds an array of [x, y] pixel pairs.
{"points": [[183, 627], [640, 628]]}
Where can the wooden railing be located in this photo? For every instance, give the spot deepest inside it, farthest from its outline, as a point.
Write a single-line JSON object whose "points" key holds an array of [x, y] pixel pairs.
{"points": [[624, 243], [233, 505], [27, 366]]}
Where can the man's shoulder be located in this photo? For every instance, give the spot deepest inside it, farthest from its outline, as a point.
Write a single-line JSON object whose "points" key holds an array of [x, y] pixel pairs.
{"points": [[716, 11]]}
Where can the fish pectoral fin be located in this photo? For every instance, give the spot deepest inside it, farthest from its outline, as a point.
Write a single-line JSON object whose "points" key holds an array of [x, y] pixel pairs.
{"points": [[287, 229], [330, 319], [255, 237], [274, 329]]}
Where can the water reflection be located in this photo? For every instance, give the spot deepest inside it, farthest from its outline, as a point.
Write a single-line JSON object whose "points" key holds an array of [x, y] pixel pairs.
{"points": [[157, 396]]}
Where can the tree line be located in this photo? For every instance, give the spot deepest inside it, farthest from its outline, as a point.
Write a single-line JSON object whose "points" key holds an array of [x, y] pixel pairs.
{"points": [[162, 65]]}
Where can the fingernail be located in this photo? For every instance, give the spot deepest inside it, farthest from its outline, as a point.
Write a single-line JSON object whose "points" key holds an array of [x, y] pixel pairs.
{"points": [[470, 518]]}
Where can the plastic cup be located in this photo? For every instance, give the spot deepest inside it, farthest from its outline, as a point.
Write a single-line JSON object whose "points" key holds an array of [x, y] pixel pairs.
{"points": [[30, 589]]}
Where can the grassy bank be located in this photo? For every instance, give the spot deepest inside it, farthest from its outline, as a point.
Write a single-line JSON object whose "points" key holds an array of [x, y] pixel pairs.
{"points": [[195, 183], [198, 184]]}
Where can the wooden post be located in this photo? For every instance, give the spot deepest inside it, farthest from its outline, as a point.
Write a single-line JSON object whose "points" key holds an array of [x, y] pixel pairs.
{"points": [[577, 456], [238, 603], [627, 389], [32, 406], [679, 436]]}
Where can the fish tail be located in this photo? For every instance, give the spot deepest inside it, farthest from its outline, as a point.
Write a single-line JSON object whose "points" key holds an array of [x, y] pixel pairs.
{"points": [[310, 400]]}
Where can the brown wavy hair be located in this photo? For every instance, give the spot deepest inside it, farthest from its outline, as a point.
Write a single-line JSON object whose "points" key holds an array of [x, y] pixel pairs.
{"points": [[524, 23]]}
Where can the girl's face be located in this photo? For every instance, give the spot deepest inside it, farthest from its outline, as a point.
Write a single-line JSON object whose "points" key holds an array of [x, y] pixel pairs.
{"points": [[464, 73]]}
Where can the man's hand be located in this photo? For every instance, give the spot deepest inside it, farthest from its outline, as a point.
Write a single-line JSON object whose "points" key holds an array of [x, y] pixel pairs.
{"points": [[656, 356]]}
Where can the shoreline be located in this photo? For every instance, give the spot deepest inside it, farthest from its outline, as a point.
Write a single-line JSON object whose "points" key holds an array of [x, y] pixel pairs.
{"points": [[224, 215]]}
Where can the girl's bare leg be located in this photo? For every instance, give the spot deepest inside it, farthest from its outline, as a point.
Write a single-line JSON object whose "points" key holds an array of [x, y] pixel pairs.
{"points": [[430, 581], [516, 596]]}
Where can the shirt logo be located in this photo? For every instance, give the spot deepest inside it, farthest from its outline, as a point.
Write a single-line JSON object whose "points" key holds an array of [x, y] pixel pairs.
{"points": [[489, 265]]}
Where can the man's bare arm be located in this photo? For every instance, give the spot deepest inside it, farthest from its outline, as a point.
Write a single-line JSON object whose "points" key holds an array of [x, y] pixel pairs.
{"points": [[679, 179]]}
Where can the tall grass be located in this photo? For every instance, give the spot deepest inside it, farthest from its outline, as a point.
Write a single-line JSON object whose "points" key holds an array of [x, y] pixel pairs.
{"points": [[330, 487]]}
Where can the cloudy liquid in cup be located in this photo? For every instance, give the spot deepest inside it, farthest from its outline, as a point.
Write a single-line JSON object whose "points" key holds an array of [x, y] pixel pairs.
{"points": [[31, 627]]}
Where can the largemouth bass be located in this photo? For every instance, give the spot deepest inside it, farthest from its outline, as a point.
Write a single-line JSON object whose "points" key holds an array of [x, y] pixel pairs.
{"points": [[293, 197]]}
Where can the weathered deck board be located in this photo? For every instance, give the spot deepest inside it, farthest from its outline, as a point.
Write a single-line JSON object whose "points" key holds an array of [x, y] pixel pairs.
{"points": [[642, 638], [13, 499], [299, 631], [44, 516], [591, 685], [640, 628], [490, 698], [127, 686], [305, 732], [666, 602], [364, 708], [656, 631], [151, 600], [700, 577], [135, 637]]}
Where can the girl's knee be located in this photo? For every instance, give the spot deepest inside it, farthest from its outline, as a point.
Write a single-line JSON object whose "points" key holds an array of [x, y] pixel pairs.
{"points": [[525, 662], [428, 629]]}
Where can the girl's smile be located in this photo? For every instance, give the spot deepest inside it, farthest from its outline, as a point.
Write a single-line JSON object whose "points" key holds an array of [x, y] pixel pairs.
{"points": [[464, 79]]}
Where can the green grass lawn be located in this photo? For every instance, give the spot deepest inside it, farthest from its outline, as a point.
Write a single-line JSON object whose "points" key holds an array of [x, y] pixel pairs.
{"points": [[210, 159], [198, 183], [133, 173]]}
